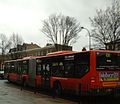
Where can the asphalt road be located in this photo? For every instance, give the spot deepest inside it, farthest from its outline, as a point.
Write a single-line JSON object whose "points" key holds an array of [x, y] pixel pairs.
{"points": [[12, 94]]}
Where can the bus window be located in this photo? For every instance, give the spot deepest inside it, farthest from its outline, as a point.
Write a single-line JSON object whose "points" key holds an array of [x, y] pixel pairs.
{"points": [[43, 69], [24, 67], [47, 69], [57, 69], [81, 69], [69, 69], [39, 69], [82, 64], [7, 67], [107, 61], [61, 69], [12, 67], [19, 68]]}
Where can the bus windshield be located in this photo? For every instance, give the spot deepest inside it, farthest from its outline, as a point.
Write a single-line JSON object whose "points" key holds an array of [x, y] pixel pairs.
{"points": [[107, 61]]}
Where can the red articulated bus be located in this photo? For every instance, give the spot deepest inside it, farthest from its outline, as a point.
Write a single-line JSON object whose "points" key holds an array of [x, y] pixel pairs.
{"points": [[94, 72]]}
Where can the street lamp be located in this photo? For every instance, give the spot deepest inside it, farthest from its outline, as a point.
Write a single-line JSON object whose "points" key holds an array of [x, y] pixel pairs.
{"points": [[89, 36]]}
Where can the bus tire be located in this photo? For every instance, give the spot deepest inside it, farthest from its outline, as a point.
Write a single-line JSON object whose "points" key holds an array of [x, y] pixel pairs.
{"points": [[57, 89]]}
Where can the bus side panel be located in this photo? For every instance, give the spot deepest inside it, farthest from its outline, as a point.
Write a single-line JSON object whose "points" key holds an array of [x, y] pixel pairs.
{"points": [[92, 77], [75, 83], [32, 72], [38, 81], [13, 76]]}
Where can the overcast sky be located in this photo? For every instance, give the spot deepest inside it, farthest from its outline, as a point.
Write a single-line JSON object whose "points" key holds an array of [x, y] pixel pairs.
{"points": [[25, 17]]}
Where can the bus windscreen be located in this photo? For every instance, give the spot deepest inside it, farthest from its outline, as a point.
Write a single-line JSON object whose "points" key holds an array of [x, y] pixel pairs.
{"points": [[107, 61]]}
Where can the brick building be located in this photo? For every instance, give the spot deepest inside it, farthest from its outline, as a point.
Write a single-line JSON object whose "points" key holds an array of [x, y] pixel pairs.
{"points": [[26, 50], [20, 50]]}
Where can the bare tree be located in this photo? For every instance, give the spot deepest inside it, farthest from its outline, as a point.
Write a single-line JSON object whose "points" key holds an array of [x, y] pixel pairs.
{"points": [[4, 46], [106, 25], [61, 29], [16, 40], [5, 43]]}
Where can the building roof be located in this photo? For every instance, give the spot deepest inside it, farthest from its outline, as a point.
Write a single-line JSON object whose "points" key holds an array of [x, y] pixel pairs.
{"points": [[23, 47]]}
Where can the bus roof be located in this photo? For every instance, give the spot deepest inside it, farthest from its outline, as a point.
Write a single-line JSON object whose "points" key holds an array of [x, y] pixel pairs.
{"points": [[106, 51], [59, 53]]}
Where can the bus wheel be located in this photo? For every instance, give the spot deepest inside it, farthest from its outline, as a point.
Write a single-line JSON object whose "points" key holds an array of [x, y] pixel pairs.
{"points": [[57, 89]]}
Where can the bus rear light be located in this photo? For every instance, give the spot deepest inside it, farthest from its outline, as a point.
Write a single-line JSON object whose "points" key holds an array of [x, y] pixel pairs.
{"points": [[92, 79]]}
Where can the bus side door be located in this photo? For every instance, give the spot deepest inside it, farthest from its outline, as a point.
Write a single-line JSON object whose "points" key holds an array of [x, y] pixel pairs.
{"points": [[46, 75], [69, 74], [32, 72], [19, 71]]}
